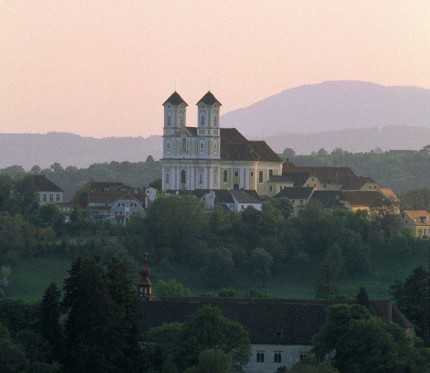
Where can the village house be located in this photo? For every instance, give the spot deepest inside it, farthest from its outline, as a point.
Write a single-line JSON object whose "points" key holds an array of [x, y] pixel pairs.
{"points": [[299, 197], [280, 330], [46, 190], [112, 201], [416, 222]]}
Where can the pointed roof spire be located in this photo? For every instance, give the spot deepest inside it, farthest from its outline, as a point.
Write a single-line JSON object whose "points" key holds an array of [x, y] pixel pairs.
{"points": [[175, 99], [209, 99]]}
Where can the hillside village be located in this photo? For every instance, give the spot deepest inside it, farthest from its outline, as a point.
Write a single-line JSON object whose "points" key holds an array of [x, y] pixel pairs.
{"points": [[220, 167]]}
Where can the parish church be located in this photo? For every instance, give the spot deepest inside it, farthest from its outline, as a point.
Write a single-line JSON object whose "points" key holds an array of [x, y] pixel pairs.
{"points": [[210, 157]]}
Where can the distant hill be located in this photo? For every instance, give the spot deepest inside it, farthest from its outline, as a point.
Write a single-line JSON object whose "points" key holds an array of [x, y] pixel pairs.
{"points": [[335, 105], [353, 140], [67, 149]]}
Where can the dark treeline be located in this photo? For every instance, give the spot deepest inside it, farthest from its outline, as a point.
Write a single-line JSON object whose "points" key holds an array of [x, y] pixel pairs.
{"points": [[400, 170], [70, 179]]}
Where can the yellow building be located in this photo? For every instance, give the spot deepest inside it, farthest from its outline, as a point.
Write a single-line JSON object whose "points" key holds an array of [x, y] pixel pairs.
{"points": [[416, 222], [210, 157]]}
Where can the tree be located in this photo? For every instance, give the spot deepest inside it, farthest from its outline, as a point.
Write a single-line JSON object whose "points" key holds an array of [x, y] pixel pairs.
{"points": [[50, 321], [169, 365], [12, 355], [308, 365], [355, 341], [261, 264], [283, 205], [288, 154], [156, 184], [212, 361], [101, 330], [206, 329], [171, 288], [176, 222], [50, 215], [218, 267], [57, 167], [413, 299], [331, 268], [37, 349], [35, 169], [362, 298], [149, 159], [5, 191]]}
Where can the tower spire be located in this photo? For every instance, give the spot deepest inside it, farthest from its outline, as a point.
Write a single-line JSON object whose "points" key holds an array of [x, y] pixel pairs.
{"points": [[144, 287]]}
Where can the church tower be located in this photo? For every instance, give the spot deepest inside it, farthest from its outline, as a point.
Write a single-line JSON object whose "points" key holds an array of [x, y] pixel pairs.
{"points": [[175, 111], [208, 130]]}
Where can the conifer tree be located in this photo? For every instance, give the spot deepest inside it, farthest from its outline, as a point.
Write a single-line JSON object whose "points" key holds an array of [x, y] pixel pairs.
{"points": [[50, 326]]}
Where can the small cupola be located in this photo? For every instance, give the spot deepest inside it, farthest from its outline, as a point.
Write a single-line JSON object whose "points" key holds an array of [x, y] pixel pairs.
{"points": [[144, 287]]}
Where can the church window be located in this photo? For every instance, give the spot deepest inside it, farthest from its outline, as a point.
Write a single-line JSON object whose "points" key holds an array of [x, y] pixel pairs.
{"points": [[169, 121], [270, 173], [168, 145], [260, 176], [214, 145], [201, 179], [260, 357], [202, 145], [202, 120], [252, 173], [236, 186], [181, 119], [184, 144], [236, 173], [225, 176], [215, 120], [183, 177], [277, 357], [167, 178]]}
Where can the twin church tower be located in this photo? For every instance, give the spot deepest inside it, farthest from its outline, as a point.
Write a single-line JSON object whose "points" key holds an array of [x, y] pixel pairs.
{"points": [[209, 157]]}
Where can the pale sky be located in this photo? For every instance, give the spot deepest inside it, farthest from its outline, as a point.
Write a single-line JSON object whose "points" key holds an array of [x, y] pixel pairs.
{"points": [[103, 68]]}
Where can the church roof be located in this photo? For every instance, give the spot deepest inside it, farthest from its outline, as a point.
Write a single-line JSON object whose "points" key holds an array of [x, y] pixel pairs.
{"points": [[268, 321], [235, 147], [175, 99], [209, 99]]}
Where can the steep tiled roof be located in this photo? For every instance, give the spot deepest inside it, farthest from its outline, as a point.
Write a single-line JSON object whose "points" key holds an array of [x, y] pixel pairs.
{"points": [[107, 186], [357, 182], [235, 147], [418, 217], [296, 177], [363, 198], [245, 196], [43, 184], [110, 197], [389, 194], [209, 99], [330, 199], [175, 99], [268, 321], [295, 192]]}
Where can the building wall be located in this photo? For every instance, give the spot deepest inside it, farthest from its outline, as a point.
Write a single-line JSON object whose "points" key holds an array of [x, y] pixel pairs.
{"points": [[209, 174], [290, 355], [49, 197]]}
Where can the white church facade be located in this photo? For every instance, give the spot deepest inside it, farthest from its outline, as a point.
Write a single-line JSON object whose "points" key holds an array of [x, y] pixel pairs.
{"points": [[210, 157]]}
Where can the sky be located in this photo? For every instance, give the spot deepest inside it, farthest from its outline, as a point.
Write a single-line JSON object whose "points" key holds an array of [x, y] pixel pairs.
{"points": [[103, 68]]}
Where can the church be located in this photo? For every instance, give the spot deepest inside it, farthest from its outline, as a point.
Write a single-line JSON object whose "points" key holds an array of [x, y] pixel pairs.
{"points": [[210, 157]]}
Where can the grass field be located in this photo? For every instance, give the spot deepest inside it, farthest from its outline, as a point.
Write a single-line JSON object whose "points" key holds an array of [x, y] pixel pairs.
{"points": [[31, 277]]}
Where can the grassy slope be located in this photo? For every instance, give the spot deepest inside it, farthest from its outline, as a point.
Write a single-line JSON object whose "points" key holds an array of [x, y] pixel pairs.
{"points": [[30, 278]]}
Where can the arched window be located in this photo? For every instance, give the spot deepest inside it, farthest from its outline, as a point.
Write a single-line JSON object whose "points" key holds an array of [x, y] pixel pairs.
{"points": [[184, 144], [236, 186], [225, 176], [169, 121], [181, 119], [202, 121], [167, 178], [215, 120], [260, 176], [200, 178], [183, 177], [202, 145]]}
